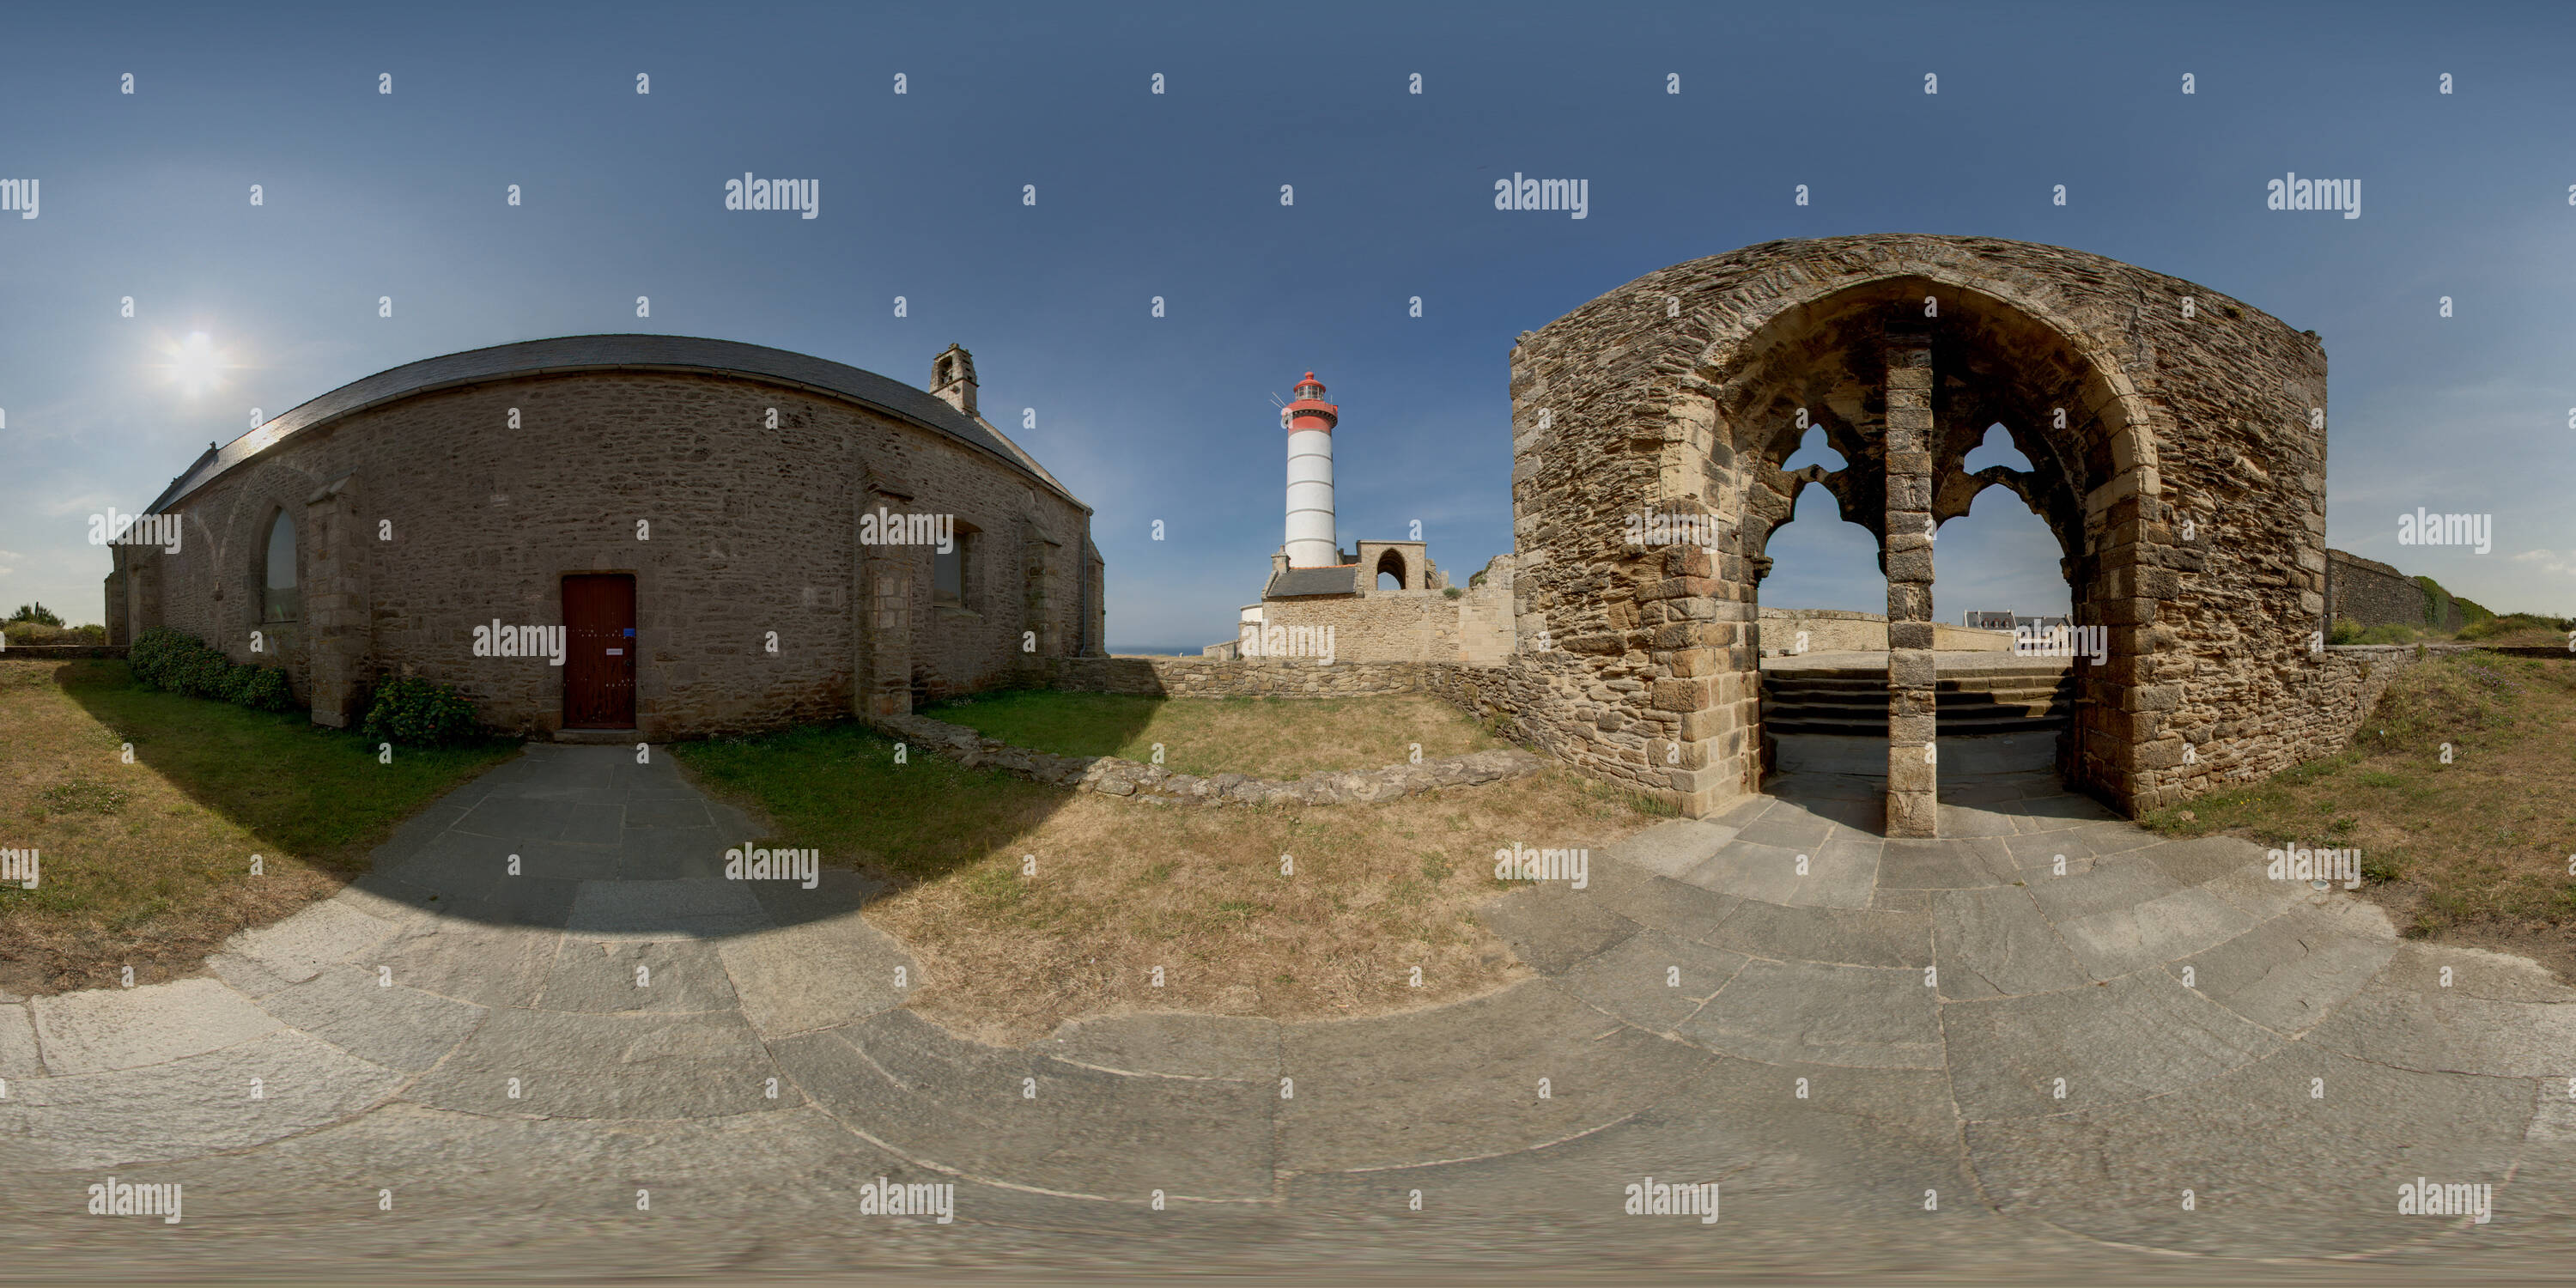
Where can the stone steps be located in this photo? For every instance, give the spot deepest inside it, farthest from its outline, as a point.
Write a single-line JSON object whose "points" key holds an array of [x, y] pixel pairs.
{"points": [[2021, 696]]}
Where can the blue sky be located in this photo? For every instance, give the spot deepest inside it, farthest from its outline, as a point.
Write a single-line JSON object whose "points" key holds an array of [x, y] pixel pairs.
{"points": [[1177, 195]]}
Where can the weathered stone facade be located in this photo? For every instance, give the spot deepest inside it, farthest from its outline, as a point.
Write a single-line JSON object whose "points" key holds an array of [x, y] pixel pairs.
{"points": [[441, 496], [2178, 448], [2370, 593]]}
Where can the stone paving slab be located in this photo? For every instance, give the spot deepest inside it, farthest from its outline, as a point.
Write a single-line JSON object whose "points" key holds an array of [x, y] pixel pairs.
{"points": [[1171, 1044], [2289, 973], [1671, 848], [398, 1028], [817, 975], [2108, 886], [1651, 979], [471, 959], [617, 976], [297, 948], [1844, 936], [573, 1065], [969, 1108], [2205, 859], [696, 909], [1996, 941], [2121, 940], [1967, 863], [2454, 1033], [1809, 1013], [101, 1029], [2138, 1036], [1674, 907], [1553, 926], [1462, 1081], [199, 1104], [2275, 1172], [2475, 972]]}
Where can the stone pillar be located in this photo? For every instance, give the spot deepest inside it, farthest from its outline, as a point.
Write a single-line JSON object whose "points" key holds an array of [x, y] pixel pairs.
{"points": [[1913, 787], [339, 627]]}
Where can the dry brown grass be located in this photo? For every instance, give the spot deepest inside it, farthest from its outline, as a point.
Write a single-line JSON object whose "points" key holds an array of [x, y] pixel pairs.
{"points": [[1122, 888], [147, 864], [1278, 738]]}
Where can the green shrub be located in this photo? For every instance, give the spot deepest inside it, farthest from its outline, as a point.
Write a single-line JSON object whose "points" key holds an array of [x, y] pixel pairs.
{"points": [[261, 688], [202, 673], [153, 654], [417, 713], [177, 662]]}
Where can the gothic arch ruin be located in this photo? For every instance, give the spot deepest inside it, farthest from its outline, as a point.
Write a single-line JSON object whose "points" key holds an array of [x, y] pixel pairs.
{"points": [[2148, 406]]}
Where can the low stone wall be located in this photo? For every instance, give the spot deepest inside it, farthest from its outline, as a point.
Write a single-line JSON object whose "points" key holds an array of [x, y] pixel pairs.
{"points": [[59, 652], [1407, 625], [1112, 776], [1831, 630]]}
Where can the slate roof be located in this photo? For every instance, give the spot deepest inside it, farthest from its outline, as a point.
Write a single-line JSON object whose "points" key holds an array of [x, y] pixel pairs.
{"points": [[1298, 583], [573, 353]]}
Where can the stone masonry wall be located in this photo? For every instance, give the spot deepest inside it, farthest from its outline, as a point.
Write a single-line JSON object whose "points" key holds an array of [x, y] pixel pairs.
{"points": [[2142, 400], [1409, 626], [2371, 593], [751, 530]]}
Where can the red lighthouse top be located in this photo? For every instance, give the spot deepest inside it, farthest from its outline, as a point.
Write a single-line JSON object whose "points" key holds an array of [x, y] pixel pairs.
{"points": [[1310, 411]]}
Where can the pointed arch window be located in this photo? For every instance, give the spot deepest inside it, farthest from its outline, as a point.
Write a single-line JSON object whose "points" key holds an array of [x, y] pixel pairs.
{"points": [[281, 599]]}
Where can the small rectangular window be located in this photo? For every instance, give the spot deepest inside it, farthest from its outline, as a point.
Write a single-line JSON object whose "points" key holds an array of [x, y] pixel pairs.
{"points": [[948, 574]]}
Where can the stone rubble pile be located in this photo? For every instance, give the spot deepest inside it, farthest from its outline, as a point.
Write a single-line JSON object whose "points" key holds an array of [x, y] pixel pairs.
{"points": [[1112, 776]]}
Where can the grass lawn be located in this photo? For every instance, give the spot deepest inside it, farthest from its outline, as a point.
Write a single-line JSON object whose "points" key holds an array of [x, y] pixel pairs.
{"points": [[2480, 851], [1120, 888], [1279, 738], [148, 864]]}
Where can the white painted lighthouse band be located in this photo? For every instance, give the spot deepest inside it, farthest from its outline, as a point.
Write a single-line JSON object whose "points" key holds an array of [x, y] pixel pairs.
{"points": [[1309, 421]]}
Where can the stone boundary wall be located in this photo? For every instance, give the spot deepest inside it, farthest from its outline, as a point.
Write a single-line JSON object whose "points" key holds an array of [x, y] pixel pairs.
{"points": [[2374, 594], [1113, 776], [58, 652], [1833, 630], [1407, 626]]}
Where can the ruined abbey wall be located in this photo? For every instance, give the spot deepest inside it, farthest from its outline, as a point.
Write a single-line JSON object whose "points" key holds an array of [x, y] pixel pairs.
{"points": [[2178, 444]]}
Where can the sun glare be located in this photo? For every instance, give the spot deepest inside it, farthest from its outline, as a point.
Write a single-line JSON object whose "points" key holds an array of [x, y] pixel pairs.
{"points": [[195, 364]]}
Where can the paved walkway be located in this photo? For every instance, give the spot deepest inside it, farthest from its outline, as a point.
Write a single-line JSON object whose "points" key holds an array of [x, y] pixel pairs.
{"points": [[2055, 1055]]}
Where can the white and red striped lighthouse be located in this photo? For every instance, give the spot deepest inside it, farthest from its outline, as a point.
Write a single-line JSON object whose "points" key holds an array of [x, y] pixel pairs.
{"points": [[1309, 422]]}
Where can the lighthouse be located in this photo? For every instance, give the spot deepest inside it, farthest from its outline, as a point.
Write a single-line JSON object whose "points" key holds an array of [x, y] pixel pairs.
{"points": [[1309, 422]]}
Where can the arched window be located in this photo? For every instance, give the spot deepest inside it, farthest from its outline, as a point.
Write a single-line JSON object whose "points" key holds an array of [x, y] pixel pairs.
{"points": [[280, 600], [1391, 564]]}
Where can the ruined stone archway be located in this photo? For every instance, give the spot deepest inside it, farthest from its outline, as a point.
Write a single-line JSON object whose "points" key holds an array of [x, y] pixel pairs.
{"points": [[2139, 399]]}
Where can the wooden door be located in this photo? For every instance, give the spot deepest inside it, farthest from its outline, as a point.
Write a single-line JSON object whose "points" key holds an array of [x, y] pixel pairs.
{"points": [[599, 651]]}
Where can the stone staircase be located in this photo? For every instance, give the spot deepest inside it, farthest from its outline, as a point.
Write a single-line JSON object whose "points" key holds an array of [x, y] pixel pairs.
{"points": [[1997, 695]]}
